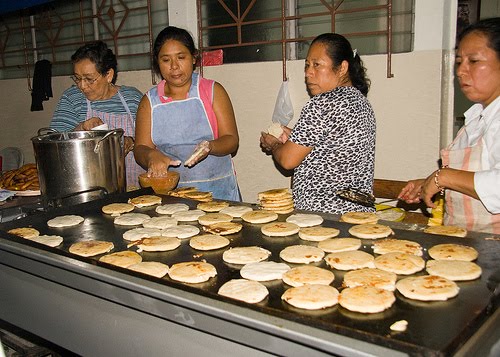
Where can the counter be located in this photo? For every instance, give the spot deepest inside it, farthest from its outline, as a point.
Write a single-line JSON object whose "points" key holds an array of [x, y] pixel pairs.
{"points": [[92, 308]]}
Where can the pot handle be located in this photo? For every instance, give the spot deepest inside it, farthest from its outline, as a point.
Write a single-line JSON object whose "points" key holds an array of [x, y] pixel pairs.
{"points": [[59, 201], [43, 131], [109, 133]]}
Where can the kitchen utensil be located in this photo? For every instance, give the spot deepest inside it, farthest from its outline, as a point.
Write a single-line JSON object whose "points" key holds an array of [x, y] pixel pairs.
{"points": [[79, 166], [356, 196], [381, 206], [161, 185], [362, 198]]}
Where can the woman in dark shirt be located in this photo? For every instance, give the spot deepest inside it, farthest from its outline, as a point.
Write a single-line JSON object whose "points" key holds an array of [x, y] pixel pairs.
{"points": [[332, 146]]}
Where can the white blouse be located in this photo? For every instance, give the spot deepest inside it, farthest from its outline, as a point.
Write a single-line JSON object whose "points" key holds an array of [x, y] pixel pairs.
{"points": [[486, 121]]}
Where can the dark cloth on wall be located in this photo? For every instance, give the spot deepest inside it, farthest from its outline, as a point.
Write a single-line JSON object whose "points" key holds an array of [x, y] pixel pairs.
{"points": [[42, 84]]}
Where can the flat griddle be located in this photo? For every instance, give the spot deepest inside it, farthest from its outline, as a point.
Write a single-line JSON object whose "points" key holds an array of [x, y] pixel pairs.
{"points": [[434, 328]]}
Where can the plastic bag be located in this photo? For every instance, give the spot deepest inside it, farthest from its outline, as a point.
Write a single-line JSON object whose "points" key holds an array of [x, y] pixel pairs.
{"points": [[283, 109]]}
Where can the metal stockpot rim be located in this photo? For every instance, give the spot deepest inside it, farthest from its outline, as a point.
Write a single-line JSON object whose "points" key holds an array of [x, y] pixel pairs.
{"points": [[68, 136]]}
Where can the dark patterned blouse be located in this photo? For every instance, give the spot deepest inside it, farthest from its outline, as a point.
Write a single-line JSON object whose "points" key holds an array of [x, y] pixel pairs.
{"points": [[340, 127]]}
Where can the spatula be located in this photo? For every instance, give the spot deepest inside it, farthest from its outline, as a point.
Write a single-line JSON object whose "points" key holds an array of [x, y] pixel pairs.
{"points": [[362, 198]]}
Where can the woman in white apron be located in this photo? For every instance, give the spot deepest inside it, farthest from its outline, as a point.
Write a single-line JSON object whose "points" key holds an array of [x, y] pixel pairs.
{"points": [[95, 100], [470, 176], [186, 123]]}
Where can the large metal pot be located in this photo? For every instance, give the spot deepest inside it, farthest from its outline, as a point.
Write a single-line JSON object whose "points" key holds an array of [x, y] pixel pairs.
{"points": [[79, 166]]}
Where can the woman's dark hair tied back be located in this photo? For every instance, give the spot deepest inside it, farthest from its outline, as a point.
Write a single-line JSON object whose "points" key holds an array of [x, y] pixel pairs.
{"points": [[172, 33], [489, 28], [339, 49], [99, 54]]}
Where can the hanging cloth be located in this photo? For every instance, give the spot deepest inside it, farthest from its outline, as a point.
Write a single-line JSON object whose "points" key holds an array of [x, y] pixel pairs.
{"points": [[42, 84]]}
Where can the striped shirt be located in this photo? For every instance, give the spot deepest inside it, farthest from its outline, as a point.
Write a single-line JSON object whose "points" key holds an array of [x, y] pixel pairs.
{"points": [[72, 107]]}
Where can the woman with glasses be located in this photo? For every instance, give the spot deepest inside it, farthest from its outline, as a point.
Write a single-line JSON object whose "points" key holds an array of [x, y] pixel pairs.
{"points": [[95, 100]]}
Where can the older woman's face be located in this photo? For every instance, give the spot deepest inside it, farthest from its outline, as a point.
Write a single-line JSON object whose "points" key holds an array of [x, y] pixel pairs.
{"points": [[94, 85], [319, 72], [176, 63], [478, 69]]}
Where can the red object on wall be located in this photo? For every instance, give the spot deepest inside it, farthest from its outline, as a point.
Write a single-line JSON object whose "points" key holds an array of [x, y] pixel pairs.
{"points": [[213, 58]]}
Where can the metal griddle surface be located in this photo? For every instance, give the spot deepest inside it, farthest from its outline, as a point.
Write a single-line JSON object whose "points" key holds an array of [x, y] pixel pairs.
{"points": [[434, 328]]}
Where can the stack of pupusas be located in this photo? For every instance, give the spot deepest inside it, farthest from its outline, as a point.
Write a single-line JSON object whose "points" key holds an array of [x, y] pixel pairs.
{"points": [[278, 200], [191, 193]]}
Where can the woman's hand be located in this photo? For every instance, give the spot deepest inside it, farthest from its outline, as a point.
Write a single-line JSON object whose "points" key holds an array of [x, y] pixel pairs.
{"points": [[89, 124], [269, 142], [420, 190], [286, 134], [412, 191], [429, 189], [200, 152], [288, 154], [447, 178], [158, 163]]}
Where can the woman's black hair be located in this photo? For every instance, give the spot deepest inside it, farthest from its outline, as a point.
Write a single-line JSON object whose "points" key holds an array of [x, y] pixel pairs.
{"points": [[172, 33], [99, 54], [339, 49], [489, 28]]}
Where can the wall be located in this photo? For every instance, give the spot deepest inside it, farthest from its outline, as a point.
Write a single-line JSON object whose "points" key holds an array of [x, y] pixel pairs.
{"points": [[490, 8], [408, 107]]}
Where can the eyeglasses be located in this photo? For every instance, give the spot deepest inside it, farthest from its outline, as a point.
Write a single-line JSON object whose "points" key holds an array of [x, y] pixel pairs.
{"points": [[87, 81]]}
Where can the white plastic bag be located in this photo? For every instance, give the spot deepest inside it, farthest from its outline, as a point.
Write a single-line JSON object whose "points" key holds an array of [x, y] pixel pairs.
{"points": [[283, 109]]}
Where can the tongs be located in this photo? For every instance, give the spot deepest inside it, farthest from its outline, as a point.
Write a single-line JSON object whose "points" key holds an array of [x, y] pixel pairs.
{"points": [[360, 197]]}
